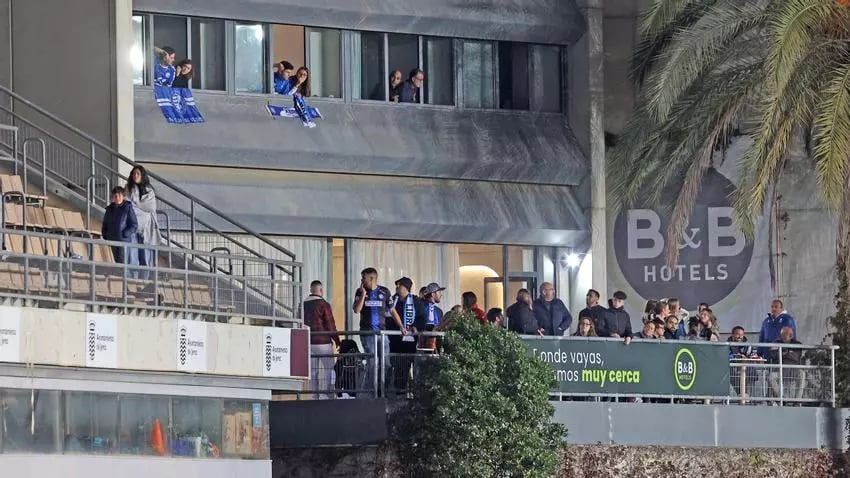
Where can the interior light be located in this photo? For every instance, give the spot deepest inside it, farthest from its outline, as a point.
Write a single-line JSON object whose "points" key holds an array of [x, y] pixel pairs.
{"points": [[137, 59], [573, 260], [258, 32]]}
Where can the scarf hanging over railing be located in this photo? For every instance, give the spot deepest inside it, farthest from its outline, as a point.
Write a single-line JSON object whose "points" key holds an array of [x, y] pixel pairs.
{"points": [[299, 109], [177, 105]]}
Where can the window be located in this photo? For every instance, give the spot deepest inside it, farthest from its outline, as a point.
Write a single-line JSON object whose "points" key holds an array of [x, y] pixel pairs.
{"points": [[91, 423], [208, 54], [324, 60], [478, 80], [370, 77], [250, 64], [137, 52], [546, 80], [440, 69], [513, 76], [137, 428], [170, 31]]}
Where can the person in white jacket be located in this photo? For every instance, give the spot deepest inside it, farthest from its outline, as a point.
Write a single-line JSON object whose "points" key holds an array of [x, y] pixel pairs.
{"points": [[140, 193]]}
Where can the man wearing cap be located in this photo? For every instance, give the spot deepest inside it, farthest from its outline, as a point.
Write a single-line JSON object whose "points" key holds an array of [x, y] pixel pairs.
{"points": [[405, 308], [617, 322]]}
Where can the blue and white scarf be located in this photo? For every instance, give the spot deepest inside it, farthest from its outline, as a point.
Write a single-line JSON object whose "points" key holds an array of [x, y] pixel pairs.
{"points": [[177, 105]]}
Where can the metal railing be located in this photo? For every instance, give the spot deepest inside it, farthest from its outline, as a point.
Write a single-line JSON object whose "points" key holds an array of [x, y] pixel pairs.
{"points": [[54, 270], [84, 167], [379, 371]]}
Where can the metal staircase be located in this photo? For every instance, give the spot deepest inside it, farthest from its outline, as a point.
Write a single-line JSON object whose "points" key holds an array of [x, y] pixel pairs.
{"points": [[67, 162]]}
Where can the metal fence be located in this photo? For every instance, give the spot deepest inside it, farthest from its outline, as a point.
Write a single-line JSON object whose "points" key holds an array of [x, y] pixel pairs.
{"points": [[43, 147], [376, 367], [54, 270]]}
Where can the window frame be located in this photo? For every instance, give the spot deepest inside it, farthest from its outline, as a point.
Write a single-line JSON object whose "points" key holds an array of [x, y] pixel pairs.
{"points": [[346, 64]]}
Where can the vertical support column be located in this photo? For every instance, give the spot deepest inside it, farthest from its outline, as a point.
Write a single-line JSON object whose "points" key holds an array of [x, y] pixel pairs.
{"points": [[587, 110], [124, 108]]}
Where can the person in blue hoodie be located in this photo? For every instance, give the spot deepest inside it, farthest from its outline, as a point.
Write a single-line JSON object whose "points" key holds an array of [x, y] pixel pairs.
{"points": [[119, 223], [773, 324]]}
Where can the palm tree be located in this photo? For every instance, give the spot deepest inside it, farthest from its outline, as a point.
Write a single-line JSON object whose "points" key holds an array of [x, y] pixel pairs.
{"points": [[708, 67]]}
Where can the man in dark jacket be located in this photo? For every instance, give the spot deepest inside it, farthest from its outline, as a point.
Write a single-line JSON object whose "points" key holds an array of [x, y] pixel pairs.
{"points": [[593, 310], [617, 320], [552, 315], [320, 318], [520, 316], [119, 223], [790, 376]]}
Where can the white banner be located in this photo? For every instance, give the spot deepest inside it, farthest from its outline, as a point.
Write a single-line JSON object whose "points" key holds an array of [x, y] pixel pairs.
{"points": [[191, 346], [10, 334], [276, 351], [101, 341]]}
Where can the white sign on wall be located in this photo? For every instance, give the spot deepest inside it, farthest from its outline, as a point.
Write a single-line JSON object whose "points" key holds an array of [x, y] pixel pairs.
{"points": [[101, 341], [10, 334], [191, 346], [277, 343]]}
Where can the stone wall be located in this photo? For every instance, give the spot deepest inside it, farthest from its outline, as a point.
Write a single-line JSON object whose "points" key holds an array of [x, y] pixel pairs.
{"points": [[596, 461]]}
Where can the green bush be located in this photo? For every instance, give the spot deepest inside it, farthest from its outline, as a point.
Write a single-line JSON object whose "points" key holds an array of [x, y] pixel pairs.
{"points": [[480, 409]]}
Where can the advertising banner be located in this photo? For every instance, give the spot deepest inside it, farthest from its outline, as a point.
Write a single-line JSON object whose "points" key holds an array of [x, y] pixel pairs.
{"points": [[191, 346], [658, 368], [101, 341]]}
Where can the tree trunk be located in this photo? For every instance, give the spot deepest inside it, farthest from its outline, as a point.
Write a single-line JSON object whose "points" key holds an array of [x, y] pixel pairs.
{"points": [[841, 321]]}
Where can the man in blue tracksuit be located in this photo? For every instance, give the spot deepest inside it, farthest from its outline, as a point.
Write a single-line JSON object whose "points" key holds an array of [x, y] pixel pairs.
{"points": [[773, 324]]}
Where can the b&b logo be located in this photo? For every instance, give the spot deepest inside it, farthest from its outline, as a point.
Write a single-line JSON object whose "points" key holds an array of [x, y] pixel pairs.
{"points": [[685, 369], [713, 254]]}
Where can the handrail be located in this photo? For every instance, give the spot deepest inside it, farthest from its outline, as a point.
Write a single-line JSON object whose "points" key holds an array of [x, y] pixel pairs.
{"points": [[132, 163], [160, 198]]}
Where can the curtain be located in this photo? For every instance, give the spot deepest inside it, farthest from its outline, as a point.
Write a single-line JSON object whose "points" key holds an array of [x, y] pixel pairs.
{"points": [[422, 262]]}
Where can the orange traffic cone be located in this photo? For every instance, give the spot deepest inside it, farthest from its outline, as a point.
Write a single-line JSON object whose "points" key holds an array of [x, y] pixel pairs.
{"points": [[156, 438]]}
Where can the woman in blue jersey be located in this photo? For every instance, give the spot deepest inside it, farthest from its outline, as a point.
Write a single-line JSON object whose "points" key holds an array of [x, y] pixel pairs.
{"points": [[164, 72]]}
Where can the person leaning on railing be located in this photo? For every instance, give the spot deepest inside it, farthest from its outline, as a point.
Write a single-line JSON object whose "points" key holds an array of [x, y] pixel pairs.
{"points": [[791, 377], [119, 224]]}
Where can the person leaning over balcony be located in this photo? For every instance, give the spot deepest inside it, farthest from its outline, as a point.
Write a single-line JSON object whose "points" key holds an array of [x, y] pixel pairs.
{"points": [[119, 224], [553, 317], [396, 85], [413, 86], [671, 328], [164, 72], [141, 194], [470, 304], [185, 71], [282, 77], [791, 377], [648, 331], [320, 318], [776, 320], [520, 315], [659, 328]]}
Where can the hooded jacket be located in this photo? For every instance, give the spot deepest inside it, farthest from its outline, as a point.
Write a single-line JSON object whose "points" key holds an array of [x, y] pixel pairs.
{"points": [[119, 223], [618, 321]]}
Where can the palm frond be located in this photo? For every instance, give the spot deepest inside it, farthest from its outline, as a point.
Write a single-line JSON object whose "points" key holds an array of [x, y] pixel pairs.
{"points": [[699, 50], [832, 136]]}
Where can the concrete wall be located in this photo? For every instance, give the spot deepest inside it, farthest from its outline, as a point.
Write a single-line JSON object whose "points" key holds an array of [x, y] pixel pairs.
{"points": [[69, 466], [536, 21], [59, 337], [63, 58]]}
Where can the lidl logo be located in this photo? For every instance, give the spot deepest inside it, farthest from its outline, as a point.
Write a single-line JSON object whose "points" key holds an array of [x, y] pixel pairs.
{"points": [[685, 369]]}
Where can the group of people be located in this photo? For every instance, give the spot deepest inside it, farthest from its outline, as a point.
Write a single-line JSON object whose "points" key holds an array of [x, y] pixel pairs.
{"points": [[131, 218], [406, 91], [166, 73]]}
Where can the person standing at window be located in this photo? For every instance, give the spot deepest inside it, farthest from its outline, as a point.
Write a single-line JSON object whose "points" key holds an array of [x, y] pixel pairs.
{"points": [[413, 85], [141, 195], [282, 77], [184, 74], [164, 73], [396, 85], [470, 305]]}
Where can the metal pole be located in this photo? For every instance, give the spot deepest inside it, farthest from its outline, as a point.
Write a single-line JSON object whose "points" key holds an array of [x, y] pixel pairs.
{"points": [[378, 377], [781, 385], [192, 224], [832, 369]]}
